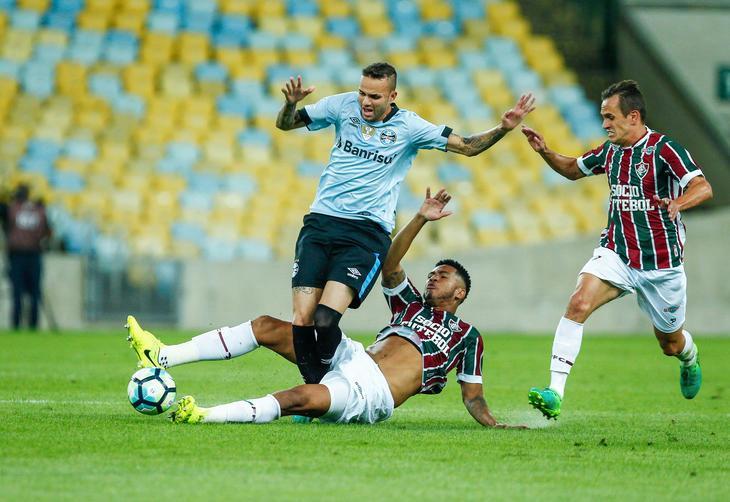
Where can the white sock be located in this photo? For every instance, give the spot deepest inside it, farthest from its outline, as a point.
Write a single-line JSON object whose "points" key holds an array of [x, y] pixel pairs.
{"points": [[221, 343], [258, 411], [566, 346], [688, 356]]}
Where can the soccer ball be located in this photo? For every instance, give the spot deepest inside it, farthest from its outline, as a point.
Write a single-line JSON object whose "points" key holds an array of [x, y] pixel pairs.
{"points": [[151, 391]]}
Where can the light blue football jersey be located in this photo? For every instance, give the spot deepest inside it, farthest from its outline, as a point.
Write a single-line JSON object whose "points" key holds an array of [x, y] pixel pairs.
{"points": [[368, 160]]}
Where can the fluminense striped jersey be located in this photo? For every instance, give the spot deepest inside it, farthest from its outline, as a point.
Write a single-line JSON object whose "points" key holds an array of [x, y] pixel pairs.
{"points": [[445, 341], [638, 230]]}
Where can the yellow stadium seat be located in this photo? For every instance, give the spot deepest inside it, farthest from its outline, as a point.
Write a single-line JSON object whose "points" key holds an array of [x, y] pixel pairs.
{"points": [[192, 48], [477, 28], [270, 9], [327, 41], [244, 7], [306, 25], [436, 11], [129, 21], [93, 20], [36, 5], [275, 24], [334, 8]]}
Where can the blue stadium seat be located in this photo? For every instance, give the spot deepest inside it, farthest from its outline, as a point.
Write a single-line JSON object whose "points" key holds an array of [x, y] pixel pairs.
{"points": [[196, 200], [240, 183], [81, 149], [38, 79], [64, 21], [165, 22], [105, 86], [10, 69], [306, 8], [25, 19], [263, 40], [202, 183], [255, 250], [43, 149], [67, 181], [211, 72], [254, 136], [443, 29], [335, 58], [489, 220], [48, 53], [228, 104], [219, 250], [38, 165], [130, 104], [186, 231], [471, 60], [184, 153], [345, 27], [450, 172]]}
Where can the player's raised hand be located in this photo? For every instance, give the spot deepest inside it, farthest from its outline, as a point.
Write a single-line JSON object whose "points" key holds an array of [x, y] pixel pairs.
{"points": [[433, 207], [669, 204], [514, 116], [537, 142], [293, 91]]}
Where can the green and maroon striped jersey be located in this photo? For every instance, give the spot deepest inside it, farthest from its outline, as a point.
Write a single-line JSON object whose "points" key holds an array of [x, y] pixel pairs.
{"points": [[445, 341], [638, 230]]}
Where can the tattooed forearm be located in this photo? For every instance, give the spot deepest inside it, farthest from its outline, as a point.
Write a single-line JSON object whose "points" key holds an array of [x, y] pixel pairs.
{"points": [[477, 143], [288, 116]]}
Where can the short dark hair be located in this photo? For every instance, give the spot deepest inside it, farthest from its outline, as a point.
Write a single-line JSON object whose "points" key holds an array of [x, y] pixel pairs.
{"points": [[629, 97], [460, 271], [380, 71]]}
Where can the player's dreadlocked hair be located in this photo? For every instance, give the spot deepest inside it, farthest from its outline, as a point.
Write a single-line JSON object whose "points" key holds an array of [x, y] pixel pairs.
{"points": [[380, 71], [460, 270], [629, 97]]}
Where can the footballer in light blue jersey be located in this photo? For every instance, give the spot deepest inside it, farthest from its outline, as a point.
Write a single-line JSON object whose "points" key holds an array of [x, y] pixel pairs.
{"points": [[346, 236], [369, 159]]}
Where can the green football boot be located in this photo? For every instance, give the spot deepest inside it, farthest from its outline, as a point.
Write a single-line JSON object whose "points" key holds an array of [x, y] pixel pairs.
{"points": [[188, 412], [546, 400], [301, 419], [144, 343], [690, 379]]}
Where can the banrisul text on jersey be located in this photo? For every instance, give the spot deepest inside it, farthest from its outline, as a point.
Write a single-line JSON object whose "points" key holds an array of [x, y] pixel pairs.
{"points": [[638, 230]]}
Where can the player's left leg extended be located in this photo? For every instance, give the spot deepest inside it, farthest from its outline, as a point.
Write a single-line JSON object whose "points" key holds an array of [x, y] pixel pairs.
{"points": [[219, 344], [680, 344], [311, 400]]}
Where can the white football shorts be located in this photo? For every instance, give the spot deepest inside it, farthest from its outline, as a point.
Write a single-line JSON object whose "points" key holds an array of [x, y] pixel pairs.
{"points": [[662, 294], [358, 389]]}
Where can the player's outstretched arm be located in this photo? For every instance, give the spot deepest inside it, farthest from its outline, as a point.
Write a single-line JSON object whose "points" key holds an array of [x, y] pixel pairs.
{"points": [[432, 209], [698, 191], [293, 91], [561, 164], [473, 396], [477, 143]]}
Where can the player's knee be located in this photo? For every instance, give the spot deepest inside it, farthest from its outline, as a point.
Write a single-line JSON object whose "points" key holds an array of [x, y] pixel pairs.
{"points": [[326, 318], [579, 307], [267, 329], [671, 347]]}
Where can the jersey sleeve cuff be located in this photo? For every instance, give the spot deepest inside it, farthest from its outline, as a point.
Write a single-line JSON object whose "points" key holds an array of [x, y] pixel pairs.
{"points": [[687, 177], [396, 290], [463, 377], [583, 168], [304, 116]]}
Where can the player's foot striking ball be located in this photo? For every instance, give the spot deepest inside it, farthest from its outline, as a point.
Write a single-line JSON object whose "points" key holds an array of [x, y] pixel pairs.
{"points": [[144, 343], [546, 400], [690, 379]]}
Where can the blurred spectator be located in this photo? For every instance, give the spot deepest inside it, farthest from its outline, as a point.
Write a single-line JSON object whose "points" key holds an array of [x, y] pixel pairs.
{"points": [[26, 228]]}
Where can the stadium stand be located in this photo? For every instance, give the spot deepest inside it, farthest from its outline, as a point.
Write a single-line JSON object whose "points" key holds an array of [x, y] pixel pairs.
{"points": [[148, 126]]}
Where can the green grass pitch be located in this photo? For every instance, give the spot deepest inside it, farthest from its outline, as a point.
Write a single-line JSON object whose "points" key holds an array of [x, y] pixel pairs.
{"points": [[67, 431]]}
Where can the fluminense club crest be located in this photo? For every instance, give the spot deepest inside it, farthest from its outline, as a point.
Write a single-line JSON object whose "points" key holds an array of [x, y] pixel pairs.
{"points": [[454, 326], [641, 169], [367, 131]]}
